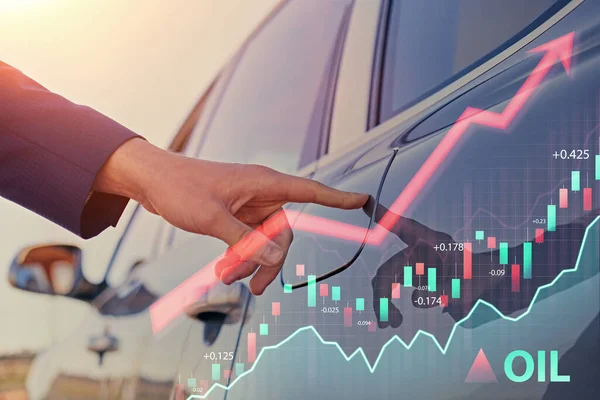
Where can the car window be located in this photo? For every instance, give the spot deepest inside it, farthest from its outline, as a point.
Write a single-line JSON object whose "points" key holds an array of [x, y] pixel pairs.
{"points": [[273, 109], [431, 43]]}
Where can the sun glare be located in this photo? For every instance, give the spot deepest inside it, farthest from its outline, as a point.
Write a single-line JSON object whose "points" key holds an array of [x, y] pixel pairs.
{"points": [[11, 5]]}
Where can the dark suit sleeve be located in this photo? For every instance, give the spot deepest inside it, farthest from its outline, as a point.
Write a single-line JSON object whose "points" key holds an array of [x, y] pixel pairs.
{"points": [[50, 153]]}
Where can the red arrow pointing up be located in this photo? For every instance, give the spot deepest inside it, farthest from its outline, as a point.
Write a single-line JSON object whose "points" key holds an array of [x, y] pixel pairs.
{"points": [[481, 370], [171, 305], [561, 48]]}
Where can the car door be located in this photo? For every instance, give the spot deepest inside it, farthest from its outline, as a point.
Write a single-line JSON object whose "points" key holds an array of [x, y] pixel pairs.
{"points": [[429, 189], [516, 237], [337, 346]]}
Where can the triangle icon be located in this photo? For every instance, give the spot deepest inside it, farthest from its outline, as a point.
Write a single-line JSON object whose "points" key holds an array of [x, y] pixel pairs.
{"points": [[481, 370]]}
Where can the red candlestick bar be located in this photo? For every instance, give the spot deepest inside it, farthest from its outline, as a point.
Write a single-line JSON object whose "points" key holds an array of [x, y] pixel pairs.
{"points": [[516, 278], [251, 346], [324, 290], [395, 290], [563, 198], [468, 261], [420, 268], [372, 326], [444, 300], [276, 308], [587, 199], [203, 386], [539, 235], [491, 242], [347, 316], [227, 374]]}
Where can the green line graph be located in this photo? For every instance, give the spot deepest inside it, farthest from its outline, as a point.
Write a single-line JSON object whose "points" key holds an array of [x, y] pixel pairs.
{"points": [[419, 333]]}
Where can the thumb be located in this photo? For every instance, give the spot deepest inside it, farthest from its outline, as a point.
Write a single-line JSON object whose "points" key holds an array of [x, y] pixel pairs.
{"points": [[245, 243]]}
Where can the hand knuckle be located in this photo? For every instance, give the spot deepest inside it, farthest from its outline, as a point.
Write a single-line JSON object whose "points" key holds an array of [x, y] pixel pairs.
{"points": [[260, 169]]}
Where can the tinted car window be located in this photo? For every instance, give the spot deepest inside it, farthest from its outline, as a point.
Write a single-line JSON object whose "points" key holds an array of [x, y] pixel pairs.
{"points": [[430, 43], [272, 110]]}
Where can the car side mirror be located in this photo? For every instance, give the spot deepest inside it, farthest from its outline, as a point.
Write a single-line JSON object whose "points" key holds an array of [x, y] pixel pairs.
{"points": [[54, 269]]}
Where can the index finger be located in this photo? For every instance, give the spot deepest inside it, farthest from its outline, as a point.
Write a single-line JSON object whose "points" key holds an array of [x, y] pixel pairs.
{"points": [[302, 190]]}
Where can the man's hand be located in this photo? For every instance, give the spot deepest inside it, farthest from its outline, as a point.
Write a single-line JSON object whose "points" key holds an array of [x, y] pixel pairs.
{"points": [[227, 201]]}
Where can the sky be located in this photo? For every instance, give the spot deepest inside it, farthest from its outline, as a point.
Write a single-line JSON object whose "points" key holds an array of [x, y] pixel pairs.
{"points": [[143, 63]]}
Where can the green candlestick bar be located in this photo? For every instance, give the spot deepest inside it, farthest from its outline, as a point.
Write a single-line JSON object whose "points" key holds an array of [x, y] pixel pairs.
{"points": [[239, 368], [551, 218], [408, 276], [479, 235], [191, 382], [216, 372], [383, 308], [264, 329], [575, 181], [456, 288], [360, 304], [503, 253], [335, 293], [527, 260], [598, 167], [431, 281], [312, 290], [287, 288]]}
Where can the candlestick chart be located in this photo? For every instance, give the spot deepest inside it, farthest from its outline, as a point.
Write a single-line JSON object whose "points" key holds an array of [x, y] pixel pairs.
{"points": [[484, 231]]}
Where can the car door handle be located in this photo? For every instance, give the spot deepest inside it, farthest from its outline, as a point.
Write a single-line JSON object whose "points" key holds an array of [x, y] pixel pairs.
{"points": [[219, 305]]}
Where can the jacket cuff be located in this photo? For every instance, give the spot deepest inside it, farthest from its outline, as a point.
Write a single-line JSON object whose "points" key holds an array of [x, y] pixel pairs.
{"points": [[51, 151], [102, 210]]}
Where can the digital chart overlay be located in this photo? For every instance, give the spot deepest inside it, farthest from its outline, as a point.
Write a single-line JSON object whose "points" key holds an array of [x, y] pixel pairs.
{"points": [[421, 333], [172, 304]]}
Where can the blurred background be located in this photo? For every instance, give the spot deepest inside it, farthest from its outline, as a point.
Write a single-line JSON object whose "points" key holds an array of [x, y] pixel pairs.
{"points": [[143, 63]]}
